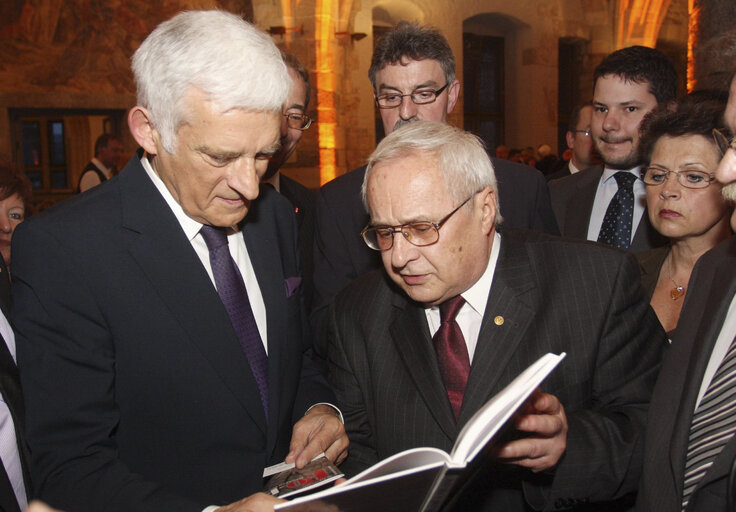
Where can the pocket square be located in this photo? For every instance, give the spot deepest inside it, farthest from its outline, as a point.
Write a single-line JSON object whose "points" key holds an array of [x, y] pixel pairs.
{"points": [[291, 284]]}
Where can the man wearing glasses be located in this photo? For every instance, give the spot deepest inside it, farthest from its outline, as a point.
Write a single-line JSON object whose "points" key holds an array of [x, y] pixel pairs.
{"points": [[460, 309], [413, 77], [294, 123], [690, 449], [579, 142], [607, 204]]}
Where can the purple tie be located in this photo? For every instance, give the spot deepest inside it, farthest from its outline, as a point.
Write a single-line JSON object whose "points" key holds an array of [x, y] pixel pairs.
{"points": [[232, 292], [452, 353]]}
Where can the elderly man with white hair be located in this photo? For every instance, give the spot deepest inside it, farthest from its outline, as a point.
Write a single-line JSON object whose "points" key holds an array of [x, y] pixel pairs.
{"points": [[460, 309], [160, 323]]}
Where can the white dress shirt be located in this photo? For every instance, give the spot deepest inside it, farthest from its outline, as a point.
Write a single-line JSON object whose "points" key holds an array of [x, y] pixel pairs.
{"points": [[8, 441], [236, 244], [607, 188], [470, 316]]}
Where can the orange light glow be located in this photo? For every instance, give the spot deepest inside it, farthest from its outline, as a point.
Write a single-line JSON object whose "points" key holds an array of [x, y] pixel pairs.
{"points": [[693, 16], [326, 112], [639, 22]]}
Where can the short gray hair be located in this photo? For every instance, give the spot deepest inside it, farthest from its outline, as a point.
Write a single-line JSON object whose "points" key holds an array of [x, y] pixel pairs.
{"points": [[461, 157], [228, 59]]}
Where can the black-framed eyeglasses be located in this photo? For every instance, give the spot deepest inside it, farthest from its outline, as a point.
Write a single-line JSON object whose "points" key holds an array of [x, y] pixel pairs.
{"points": [[584, 132], [298, 121], [420, 97], [381, 238], [654, 176], [723, 142]]}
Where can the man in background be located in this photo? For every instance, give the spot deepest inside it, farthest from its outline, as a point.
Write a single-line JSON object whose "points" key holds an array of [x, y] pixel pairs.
{"points": [[580, 143], [608, 203], [108, 150], [293, 124]]}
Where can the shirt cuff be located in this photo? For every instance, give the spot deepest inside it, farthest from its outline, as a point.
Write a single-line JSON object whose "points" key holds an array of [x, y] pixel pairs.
{"points": [[337, 410], [211, 508]]}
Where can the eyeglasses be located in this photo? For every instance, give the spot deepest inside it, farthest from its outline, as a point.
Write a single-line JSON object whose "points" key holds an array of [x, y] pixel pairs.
{"points": [[654, 176], [584, 132], [381, 238], [421, 97], [298, 121], [723, 142]]}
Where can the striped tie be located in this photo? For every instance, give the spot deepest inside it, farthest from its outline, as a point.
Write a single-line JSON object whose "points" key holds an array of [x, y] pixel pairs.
{"points": [[714, 423]]}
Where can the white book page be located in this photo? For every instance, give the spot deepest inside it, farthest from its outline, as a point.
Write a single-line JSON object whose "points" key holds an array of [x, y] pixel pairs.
{"points": [[408, 459], [491, 417]]}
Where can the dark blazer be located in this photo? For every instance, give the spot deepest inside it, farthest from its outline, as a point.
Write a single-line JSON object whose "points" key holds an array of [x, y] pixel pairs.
{"points": [[711, 288], [302, 200], [650, 263], [572, 202], [561, 173], [340, 255], [138, 395], [553, 296]]}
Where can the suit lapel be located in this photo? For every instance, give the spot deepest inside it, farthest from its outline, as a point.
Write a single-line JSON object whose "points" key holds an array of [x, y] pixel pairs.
{"points": [[505, 321], [410, 336], [264, 254], [163, 252], [701, 340], [580, 204]]}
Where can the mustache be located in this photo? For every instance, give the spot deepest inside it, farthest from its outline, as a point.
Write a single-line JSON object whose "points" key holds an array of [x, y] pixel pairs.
{"points": [[402, 122], [729, 192]]}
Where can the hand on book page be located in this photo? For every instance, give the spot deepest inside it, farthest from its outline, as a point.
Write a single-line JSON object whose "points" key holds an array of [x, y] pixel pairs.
{"points": [[543, 417]]}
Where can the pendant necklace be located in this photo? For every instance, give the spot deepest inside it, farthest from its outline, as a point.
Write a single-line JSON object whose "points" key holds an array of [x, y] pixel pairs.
{"points": [[678, 291]]}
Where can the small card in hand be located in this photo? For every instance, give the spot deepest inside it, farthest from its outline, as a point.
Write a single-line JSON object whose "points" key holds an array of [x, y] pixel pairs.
{"points": [[291, 481]]}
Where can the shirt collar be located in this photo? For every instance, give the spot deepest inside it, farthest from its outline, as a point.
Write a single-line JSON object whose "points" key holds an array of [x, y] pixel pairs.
{"points": [[477, 295], [608, 173]]}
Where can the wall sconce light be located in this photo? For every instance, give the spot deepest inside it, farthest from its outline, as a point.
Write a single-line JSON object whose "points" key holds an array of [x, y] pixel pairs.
{"points": [[355, 36], [281, 31]]}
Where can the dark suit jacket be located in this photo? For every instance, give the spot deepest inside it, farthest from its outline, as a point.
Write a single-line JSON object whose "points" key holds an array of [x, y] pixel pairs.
{"points": [[561, 173], [711, 288], [650, 263], [572, 202], [386, 377], [303, 201], [340, 255], [138, 394]]}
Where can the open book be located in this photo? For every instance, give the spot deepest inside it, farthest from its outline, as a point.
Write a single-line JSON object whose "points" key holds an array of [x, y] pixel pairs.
{"points": [[421, 479]]}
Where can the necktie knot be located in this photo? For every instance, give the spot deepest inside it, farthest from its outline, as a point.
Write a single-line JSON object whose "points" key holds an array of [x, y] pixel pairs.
{"points": [[625, 180], [214, 237], [450, 308]]}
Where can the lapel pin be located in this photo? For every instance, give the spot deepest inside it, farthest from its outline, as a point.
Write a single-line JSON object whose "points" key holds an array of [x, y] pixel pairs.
{"points": [[498, 320]]}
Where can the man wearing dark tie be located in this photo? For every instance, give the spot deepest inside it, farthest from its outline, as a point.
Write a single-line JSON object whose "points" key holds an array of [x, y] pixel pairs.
{"points": [[690, 450], [161, 332], [607, 203], [413, 76], [460, 309]]}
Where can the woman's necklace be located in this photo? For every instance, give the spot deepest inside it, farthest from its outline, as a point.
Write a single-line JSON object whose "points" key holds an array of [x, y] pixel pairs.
{"points": [[678, 291]]}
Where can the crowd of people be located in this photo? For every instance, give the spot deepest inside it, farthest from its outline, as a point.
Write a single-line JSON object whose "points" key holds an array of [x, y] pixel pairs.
{"points": [[200, 316]]}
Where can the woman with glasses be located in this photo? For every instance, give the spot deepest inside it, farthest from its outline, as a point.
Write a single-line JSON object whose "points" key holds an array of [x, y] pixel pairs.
{"points": [[684, 201]]}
